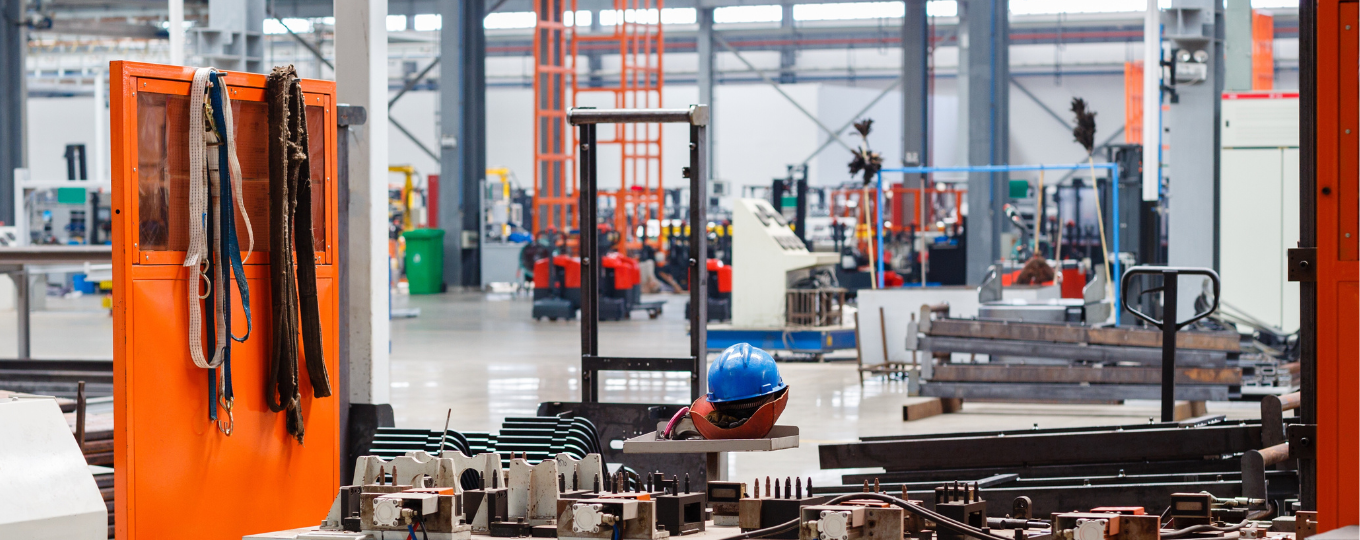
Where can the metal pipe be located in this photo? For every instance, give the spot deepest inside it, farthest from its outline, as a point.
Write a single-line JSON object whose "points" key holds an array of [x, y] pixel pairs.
{"points": [[176, 32], [696, 115], [412, 83], [1152, 101], [80, 414], [1001, 168]]}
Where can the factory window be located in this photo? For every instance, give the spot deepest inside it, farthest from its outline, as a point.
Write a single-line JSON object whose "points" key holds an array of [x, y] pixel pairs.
{"points": [[428, 22], [510, 19], [748, 14], [298, 26], [847, 11], [396, 23]]}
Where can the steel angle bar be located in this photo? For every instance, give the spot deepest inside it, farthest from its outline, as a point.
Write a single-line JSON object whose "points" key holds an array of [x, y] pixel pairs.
{"points": [[1215, 467], [696, 115], [1069, 351], [1029, 373], [1165, 444], [1192, 422], [413, 138], [1070, 333], [1090, 393], [1046, 500], [601, 363]]}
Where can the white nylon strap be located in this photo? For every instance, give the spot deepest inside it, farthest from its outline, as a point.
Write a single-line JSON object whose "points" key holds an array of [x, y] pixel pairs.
{"points": [[204, 185], [197, 253]]}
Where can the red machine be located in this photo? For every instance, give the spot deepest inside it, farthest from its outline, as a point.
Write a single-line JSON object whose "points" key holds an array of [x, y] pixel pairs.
{"points": [[557, 287], [719, 291]]}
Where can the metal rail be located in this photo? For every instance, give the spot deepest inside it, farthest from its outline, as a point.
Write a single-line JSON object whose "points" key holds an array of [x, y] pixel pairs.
{"points": [[1164, 444], [26, 255], [695, 115], [15, 260]]}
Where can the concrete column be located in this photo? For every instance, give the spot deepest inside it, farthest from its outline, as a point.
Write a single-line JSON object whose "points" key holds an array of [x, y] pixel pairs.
{"points": [[462, 136], [984, 107], [915, 84], [1192, 135], [707, 78], [788, 54], [13, 50], [176, 32], [1237, 45], [361, 79], [1152, 103]]}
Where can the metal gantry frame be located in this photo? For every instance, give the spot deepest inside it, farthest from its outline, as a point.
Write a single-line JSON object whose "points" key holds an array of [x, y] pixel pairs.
{"points": [[587, 121]]}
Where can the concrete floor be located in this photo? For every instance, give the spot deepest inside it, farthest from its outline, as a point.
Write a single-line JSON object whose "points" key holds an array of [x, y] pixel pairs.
{"points": [[484, 357]]}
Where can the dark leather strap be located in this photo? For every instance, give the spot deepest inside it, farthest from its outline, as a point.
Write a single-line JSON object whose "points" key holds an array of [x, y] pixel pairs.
{"points": [[293, 290]]}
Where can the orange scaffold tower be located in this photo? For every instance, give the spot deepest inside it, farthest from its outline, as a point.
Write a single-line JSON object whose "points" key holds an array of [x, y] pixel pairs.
{"points": [[636, 37]]}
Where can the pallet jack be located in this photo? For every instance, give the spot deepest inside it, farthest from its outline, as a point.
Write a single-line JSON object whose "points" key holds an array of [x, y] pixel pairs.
{"points": [[557, 283]]}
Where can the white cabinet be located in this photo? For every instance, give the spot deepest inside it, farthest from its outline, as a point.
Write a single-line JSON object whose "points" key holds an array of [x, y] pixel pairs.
{"points": [[1259, 206]]}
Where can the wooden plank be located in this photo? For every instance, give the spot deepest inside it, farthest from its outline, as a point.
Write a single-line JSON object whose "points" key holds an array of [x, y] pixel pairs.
{"points": [[1064, 374], [917, 408]]}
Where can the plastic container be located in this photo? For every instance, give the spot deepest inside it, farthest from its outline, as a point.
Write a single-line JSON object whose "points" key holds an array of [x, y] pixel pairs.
{"points": [[424, 260]]}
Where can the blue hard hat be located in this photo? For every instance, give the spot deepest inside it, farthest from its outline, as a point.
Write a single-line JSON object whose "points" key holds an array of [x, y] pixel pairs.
{"points": [[743, 372]]}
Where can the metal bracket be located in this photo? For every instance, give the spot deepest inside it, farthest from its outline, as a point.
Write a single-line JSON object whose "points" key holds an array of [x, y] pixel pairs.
{"points": [[1303, 265], [1302, 441]]}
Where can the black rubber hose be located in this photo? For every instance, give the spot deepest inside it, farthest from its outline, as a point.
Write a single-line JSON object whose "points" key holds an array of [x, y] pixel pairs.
{"points": [[762, 533], [1178, 533], [941, 521]]}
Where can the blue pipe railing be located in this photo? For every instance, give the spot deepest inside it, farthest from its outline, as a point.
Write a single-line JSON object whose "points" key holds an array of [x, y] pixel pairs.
{"points": [[1114, 203]]}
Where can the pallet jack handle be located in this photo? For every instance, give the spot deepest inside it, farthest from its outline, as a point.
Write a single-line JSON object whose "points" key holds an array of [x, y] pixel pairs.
{"points": [[1169, 289]]}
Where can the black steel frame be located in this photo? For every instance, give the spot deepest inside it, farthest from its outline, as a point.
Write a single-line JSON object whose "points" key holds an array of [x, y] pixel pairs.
{"points": [[586, 120]]}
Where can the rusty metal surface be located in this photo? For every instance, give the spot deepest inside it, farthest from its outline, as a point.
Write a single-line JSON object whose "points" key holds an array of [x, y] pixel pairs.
{"points": [[1070, 351], [1011, 373], [1070, 393], [1062, 333], [1159, 444], [1226, 341]]}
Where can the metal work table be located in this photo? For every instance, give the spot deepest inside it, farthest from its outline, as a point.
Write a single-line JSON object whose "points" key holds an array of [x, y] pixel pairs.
{"points": [[779, 438], [17, 262]]}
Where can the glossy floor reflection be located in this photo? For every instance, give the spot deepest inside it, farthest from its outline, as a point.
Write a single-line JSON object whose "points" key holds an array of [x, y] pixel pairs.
{"points": [[484, 357]]}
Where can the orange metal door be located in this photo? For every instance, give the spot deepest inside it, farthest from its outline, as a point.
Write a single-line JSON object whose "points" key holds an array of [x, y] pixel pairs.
{"points": [[174, 471], [1337, 224]]}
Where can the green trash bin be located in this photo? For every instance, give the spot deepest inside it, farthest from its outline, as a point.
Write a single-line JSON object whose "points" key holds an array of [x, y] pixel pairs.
{"points": [[424, 260]]}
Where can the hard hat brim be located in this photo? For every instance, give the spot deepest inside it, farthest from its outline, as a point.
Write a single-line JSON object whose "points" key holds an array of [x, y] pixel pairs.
{"points": [[758, 426]]}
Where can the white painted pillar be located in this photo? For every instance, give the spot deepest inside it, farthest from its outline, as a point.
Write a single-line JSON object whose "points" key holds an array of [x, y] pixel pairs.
{"points": [[361, 79], [176, 31], [1152, 102]]}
